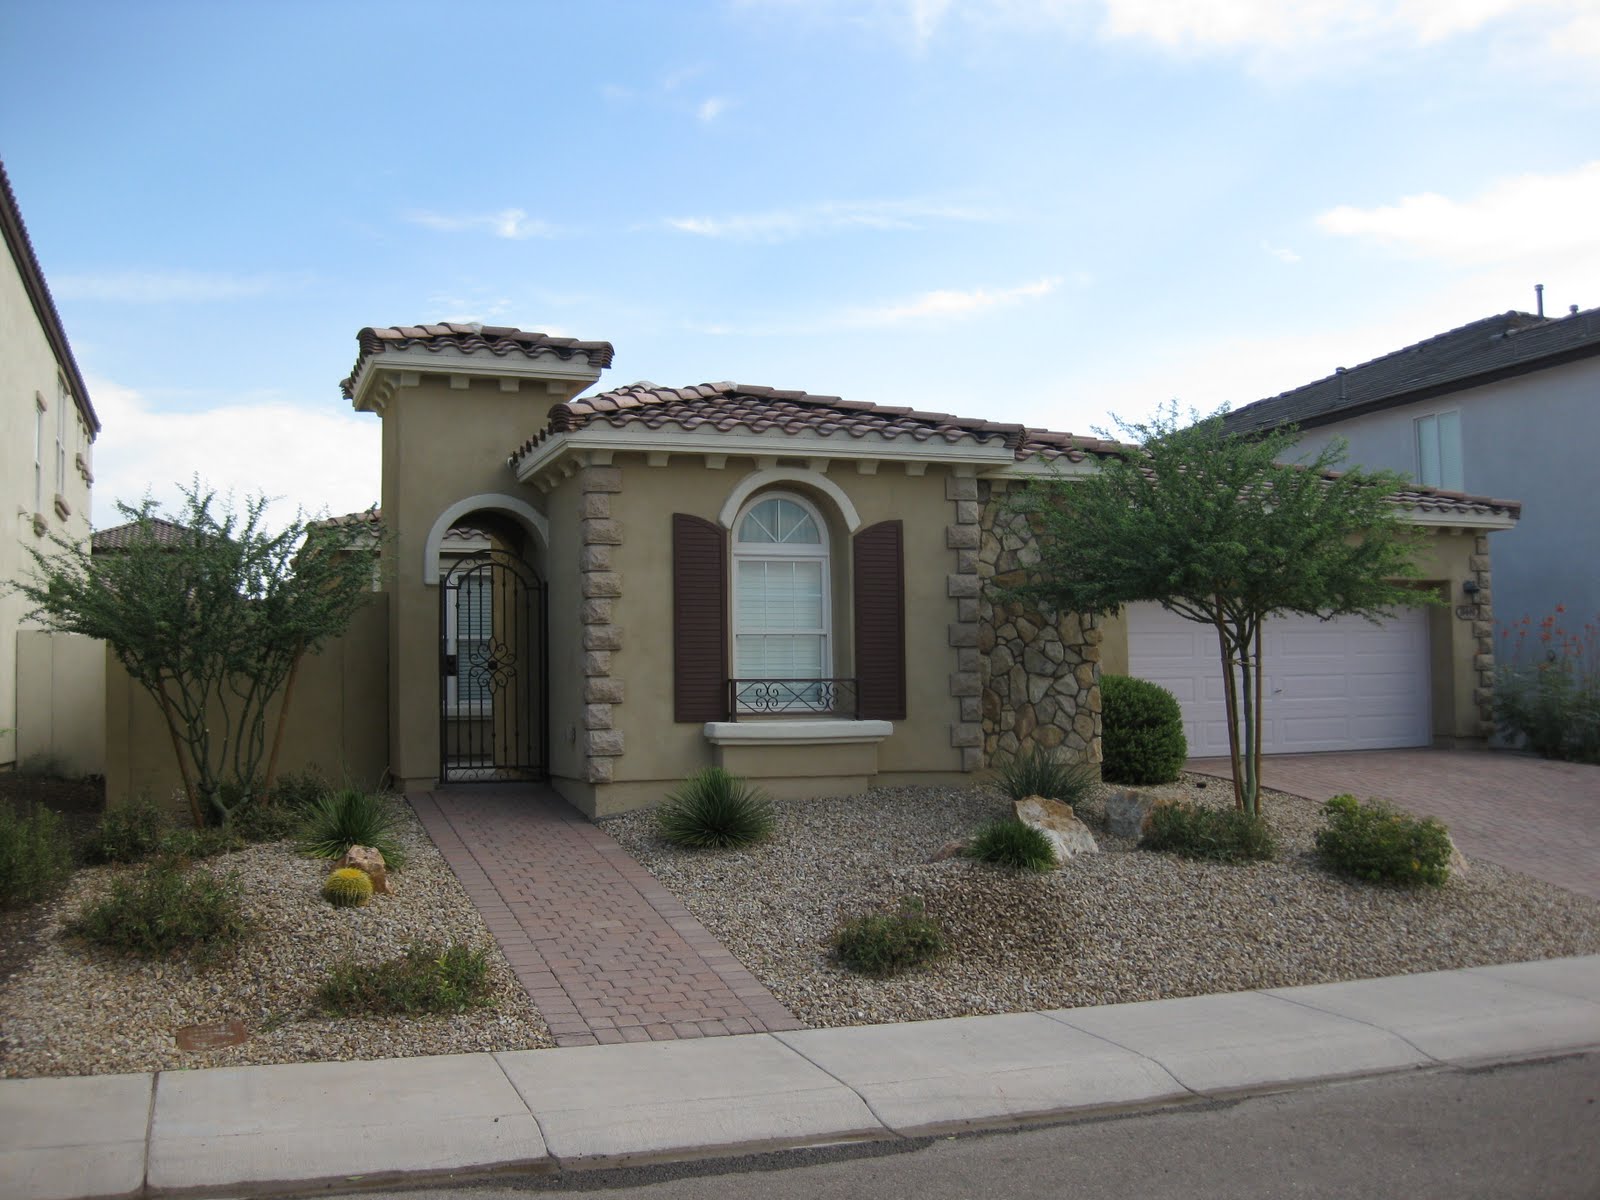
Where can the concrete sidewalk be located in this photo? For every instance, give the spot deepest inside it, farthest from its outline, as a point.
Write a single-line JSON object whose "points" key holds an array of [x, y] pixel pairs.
{"points": [[314, 1126]]}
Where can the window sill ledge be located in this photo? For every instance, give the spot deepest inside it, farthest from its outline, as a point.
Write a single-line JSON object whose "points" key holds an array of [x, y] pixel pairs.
{"points": [[797, 733]]}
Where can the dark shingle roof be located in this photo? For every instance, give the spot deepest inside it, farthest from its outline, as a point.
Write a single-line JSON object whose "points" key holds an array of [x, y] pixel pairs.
{"points": [[1498, 347], [752, 408], [499, 340], [20, 244], [120, 537]]}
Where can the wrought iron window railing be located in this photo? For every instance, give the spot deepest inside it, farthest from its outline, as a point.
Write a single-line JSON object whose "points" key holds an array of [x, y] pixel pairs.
{"points": [[768, 697]]}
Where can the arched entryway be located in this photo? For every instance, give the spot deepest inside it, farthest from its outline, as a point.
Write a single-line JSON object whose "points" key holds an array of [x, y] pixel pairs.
{"points": [[493, 655]]}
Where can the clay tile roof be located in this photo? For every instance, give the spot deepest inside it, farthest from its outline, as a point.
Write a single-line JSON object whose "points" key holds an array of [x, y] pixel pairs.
{"points": [[120, 537], [367, 518], [499, 340], [1497, 347]]}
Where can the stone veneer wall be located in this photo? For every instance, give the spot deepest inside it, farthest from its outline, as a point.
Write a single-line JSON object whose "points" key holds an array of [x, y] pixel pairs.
{"points": [[1039, 680], [1483, 634], [601, 584]]}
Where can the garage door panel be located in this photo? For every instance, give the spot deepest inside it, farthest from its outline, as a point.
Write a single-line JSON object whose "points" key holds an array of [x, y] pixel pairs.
{"points": [[1331, 685]]}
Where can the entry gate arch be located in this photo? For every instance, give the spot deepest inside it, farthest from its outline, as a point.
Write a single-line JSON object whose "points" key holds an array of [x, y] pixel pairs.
{"points": [[494, 679]]}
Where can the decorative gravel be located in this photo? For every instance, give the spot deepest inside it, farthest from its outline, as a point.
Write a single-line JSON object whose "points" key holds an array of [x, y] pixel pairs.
{"points": [[78, 1010], [1122, 925]]}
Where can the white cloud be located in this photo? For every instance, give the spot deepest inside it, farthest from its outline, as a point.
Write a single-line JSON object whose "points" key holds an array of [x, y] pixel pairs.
{"points": [[165, 287], [1282, 253], [948, 303], [511, 223], [317, 456], [1517, 219], [782, 225], [712, 108]]}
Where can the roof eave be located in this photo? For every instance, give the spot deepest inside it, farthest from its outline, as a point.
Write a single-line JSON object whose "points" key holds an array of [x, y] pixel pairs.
{"points": [[381, 374]]}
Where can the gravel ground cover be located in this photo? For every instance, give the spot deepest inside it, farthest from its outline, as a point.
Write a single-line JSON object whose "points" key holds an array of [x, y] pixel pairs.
{"points": [[74, 1009], [1122, 925]]}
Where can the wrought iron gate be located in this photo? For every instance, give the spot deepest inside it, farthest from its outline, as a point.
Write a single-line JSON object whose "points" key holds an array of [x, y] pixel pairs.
{"points": [[494, 680]]}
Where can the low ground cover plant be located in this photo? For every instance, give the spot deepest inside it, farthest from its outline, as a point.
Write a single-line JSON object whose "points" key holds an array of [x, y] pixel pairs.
{"points": [[127, 833], [1376, 842], [1012, 843], [1547, 692], [164, 909], [1141, 736], [427, 978], [715, 810], [887, 943], [349, 816], [1040, 773], [35, 855], [1222, 835]]}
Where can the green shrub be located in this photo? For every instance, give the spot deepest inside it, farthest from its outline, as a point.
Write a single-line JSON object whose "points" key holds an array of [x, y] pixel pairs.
{"points": [[128, 833], [167, 909], [884, 944], [1040, 773], [264, 819], [1015, 844], [1141, 732], [349, 817], [426, 979], [349, 887], [1376, 842], [715, 810], [202, 843], [35, 855], [297, 792], [1223, 835]]}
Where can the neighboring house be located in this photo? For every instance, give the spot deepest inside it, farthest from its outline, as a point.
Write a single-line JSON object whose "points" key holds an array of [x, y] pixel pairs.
{"points": [[48, 684], [654, 580], [1505, 406]]}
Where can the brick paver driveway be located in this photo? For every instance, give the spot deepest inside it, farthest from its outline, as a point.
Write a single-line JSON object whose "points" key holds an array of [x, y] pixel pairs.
{"points": [[1541, 818], [607, 954]]}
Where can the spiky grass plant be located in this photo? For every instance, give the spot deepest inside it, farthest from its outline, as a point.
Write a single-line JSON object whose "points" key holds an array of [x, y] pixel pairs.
{"points": [[715, 810], [1014, 844], [349, 817], [1040, 773]]}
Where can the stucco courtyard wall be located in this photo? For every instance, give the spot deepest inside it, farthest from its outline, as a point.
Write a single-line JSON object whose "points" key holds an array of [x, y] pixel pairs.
{"points": [[338, 718], [61, 680]]}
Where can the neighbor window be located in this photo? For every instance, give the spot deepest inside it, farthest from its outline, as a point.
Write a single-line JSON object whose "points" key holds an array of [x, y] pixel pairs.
{"points": [[63, 402], [1439, 450], [38, 453], [781, 618]]}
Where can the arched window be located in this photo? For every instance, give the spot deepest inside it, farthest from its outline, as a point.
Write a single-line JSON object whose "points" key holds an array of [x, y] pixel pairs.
{"points": [[782, 623]]}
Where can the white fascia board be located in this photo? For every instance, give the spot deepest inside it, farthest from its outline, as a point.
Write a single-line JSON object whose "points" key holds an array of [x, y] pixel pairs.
{"points": [[1455, 520], [788, 445], [452, 362], [791, 733], [1033, 468]]}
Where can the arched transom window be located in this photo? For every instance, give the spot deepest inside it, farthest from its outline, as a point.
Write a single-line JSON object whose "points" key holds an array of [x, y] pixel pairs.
{"points": [[781, 617]]}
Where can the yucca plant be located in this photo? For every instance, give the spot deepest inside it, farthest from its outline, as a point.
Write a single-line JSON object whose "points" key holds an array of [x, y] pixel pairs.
{"points": [[1040, 773], [349, 817], [715, 810]]}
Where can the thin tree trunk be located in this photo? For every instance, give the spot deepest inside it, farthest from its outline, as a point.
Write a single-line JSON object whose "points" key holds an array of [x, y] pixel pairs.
{"points": [[1260, 718], [1252, 732], [1232, 700], [195, 814], [277, 734]]}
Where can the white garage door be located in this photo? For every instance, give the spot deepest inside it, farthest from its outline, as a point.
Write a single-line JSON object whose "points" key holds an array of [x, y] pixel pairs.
{"points": [[1344, 684]]}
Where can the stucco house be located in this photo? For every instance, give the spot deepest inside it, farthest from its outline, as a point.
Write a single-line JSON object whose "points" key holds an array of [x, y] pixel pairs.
{"points": [[614, 590], [1505, 406], [49, 685]]}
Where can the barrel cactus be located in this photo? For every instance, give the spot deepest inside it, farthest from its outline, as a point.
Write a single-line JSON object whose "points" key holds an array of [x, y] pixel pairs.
{"points": [[347, 887]]}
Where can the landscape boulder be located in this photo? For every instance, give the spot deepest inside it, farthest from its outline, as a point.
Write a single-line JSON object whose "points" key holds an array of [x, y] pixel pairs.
{"points": [[370, 860], [1128, 812], [1069, 837]]}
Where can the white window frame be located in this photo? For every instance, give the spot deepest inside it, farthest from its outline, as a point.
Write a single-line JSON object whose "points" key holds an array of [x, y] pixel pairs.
{"points": [[819, 552], [38, 452], [1429, 428], [63, 402]]}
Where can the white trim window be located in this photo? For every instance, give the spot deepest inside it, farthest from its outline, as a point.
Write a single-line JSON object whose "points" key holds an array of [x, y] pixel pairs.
{"points": [[782, 618], [63, 402], [1439, 450], [38, 453]]}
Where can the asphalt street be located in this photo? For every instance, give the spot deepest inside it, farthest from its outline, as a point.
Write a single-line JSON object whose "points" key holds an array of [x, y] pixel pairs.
{"points": [[1520, 1130]]}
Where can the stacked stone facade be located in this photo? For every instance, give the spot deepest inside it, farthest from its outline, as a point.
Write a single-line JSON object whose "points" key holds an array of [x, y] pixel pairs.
{"points": [[601, 585], [1038, 678], [1482, 616]]}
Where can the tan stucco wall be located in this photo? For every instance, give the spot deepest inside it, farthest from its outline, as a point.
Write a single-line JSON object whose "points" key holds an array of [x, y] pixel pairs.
{"points": [[336, 718], [1459, 674], [659, 753], [61, 682], [28, 368]]}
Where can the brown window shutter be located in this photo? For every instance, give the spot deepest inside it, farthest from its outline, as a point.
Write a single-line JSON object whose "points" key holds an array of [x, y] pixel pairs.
{"points": [[880, 604], [699, 620]]}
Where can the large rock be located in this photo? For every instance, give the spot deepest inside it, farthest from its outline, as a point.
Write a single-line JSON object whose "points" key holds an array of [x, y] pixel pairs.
{"points": [[370, 860], [1128, 812], [1069, 837]]}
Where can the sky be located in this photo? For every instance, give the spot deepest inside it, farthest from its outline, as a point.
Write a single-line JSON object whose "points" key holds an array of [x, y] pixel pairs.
{"points": [[1053, 212]]}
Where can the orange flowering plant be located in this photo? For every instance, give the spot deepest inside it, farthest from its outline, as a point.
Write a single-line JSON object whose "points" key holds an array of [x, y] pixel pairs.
{"points": [[1547, 692]]}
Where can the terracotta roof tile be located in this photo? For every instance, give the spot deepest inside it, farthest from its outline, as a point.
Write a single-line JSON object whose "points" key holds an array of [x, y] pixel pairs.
{"points": [[499, 340], [120, 537]]}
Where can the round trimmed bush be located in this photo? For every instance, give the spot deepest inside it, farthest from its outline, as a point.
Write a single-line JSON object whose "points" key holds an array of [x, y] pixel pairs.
{"points": [[1141, 732]]}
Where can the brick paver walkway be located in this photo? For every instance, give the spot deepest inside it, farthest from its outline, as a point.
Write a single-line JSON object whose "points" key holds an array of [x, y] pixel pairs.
{"points": [[607, 954], [1541, 818]]}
